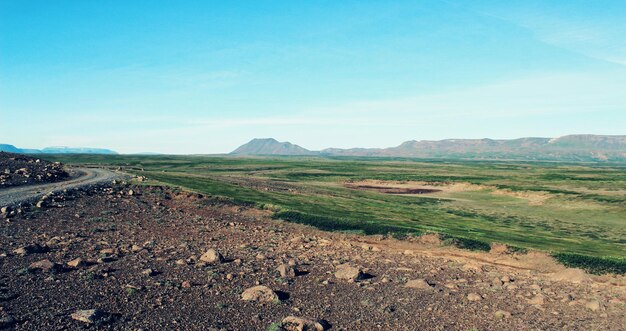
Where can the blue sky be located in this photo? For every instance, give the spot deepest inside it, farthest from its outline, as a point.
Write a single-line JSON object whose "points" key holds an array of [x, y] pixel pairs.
{"points": [[207, 76]]}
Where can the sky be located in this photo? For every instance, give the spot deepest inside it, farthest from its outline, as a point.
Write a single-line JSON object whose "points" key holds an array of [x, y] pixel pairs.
{"points": [[200, 77]]}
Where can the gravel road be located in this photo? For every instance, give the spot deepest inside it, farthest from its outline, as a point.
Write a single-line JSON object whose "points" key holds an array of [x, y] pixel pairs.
{"points": [[81, 177]]}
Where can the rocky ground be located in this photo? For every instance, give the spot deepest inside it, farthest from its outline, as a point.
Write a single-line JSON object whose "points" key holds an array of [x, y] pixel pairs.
{"points": [[150, 258], [17, 169]]}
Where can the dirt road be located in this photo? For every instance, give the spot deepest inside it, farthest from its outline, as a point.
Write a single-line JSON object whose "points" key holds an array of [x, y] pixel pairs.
{"points": [[81, 177]]}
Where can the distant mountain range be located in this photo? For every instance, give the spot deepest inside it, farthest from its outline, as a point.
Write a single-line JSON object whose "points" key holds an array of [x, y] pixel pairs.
{"points": [[566, 148], [55, 150]]}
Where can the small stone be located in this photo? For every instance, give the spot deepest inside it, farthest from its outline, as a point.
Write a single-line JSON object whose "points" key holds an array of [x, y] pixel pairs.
{"points": [[77, 263], [212, 256], [501, 314], [89, 316], [348, 272], [293, 323], [536, 300], [45, 266], [259, 293], [30, 249], [418, 283], [131, 192], [148, 272], [136, 248], [474, 297], [186, 284], [593, 305], [286, 271]]}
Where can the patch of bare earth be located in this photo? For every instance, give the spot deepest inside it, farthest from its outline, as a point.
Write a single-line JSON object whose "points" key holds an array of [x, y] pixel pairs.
{"points": [[128, 258], [417, 187]]}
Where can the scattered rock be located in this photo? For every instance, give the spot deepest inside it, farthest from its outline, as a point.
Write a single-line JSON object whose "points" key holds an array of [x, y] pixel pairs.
{"points": [[573, 275], [89, 316], [474, 297], [418, 283], [286, 271], [148, 272], [212, 256], [77, 263], [293, 323], [501, 314], [259, 293], [348, 272], [593, 305], [45, 266], [536, 300], [30, 249]]}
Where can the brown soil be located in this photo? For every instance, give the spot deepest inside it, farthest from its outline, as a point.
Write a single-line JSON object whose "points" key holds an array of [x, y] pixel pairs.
{"points": [[394, 190], [17, 169], [120, 234]]}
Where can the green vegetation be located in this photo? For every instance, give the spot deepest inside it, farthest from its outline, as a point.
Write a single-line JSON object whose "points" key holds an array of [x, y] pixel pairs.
{"points": [[577, 208], [593, 264]]}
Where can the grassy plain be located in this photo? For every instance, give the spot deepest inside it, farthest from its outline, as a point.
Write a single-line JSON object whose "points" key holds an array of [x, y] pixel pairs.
{"points": [[556, 207]]}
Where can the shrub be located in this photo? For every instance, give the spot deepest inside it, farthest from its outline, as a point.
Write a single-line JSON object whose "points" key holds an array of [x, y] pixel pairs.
{"points": [[466, 243], [343, 224], [592, 264]]}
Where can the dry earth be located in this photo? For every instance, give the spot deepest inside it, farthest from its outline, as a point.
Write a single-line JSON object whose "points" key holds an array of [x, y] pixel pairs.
{"points": [[150, 258]]}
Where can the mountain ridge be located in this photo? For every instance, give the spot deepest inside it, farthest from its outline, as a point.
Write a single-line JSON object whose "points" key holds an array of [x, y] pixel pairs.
{"points": [[580, 147], [55, 150]]}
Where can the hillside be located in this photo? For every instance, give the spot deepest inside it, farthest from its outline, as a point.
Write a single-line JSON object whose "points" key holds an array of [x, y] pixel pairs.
{"points": [[566, 148], [270, 146]]}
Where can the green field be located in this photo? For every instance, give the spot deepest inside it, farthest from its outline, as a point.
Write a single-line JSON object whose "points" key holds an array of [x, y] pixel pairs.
{"points": [[573, 208]]}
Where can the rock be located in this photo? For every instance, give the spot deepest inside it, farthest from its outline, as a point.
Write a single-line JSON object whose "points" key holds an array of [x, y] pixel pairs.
{"points": [[593, 305], [348, 272], [536, 300], [501, 314], [131, 192], [6, 320], [259, 293], [30, 249], [45, 266], [89, 316], [148, 272], [474, 297], [286, 271], [506, 279], [186, 284], [212, 256], [135, 248], [77, 263], [418, 283], [293, 323]]}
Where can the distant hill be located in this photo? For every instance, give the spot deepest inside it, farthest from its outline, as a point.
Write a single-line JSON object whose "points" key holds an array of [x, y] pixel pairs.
{"points": [[55, 150], [566, 148], [270, 146]]}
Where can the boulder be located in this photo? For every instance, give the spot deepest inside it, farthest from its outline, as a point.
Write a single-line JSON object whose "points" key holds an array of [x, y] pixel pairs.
{"points": [[89, 316], [212, 256], [259, 293], [348, 272], [293, 323], [418, 283]]}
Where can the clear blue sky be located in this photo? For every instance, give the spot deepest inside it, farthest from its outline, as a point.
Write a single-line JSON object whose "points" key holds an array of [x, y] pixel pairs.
{"points": [[207, 76]]}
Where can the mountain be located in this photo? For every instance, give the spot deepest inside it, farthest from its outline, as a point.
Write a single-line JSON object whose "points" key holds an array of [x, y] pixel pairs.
{"points": [[9, 148], [270, 146], [588, 148], [55, 150], [76, 150]]}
